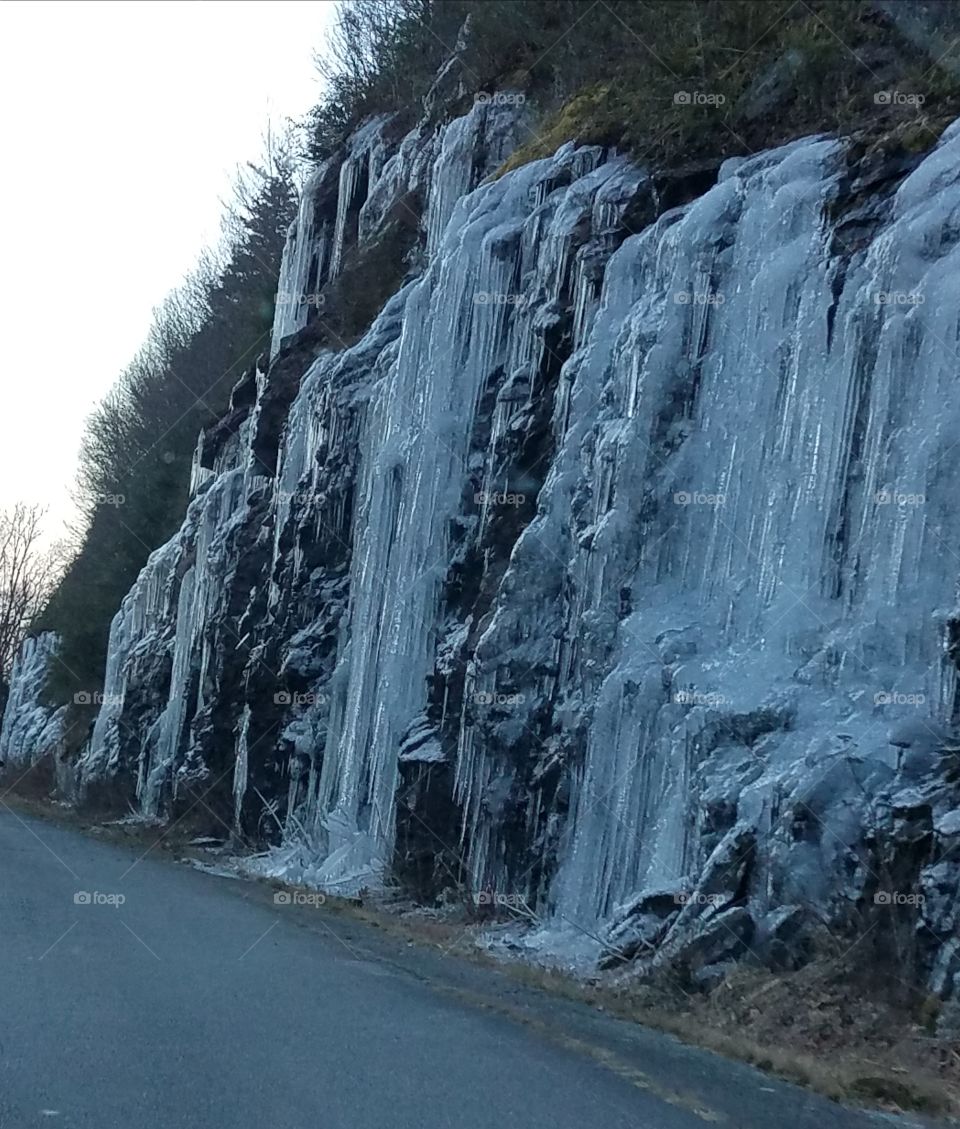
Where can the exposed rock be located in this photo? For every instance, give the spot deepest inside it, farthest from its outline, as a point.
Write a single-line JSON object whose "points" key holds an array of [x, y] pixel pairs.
{"points": [[782, 939], [640, 925], [718, 940]]}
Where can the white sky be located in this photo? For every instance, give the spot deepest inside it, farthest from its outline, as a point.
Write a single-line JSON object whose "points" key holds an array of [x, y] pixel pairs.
{"points": [[122, 125]]}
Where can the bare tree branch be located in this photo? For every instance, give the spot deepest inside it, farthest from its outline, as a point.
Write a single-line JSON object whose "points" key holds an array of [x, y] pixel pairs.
{"points": [[27, 576]]}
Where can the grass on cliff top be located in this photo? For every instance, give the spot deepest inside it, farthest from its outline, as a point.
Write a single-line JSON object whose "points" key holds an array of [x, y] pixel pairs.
{"points": [[839, 68]]}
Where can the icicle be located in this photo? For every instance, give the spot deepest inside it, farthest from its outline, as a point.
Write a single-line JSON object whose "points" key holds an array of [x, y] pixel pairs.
{"points": [[241, 766]]}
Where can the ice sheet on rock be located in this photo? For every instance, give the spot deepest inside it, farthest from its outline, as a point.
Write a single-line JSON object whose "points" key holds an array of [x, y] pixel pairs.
{"points": [[313, 254], [414, 458], [631, 823], [759, 469], [489, 130], [305, 263], [166, 613], [29, 728], [359, 171]]}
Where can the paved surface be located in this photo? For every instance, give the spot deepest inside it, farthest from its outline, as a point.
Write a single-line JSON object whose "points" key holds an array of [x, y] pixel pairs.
{"points": [[198, 1003]]}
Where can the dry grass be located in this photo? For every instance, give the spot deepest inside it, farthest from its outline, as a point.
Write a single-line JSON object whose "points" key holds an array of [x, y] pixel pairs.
{"points": [[630, 103], [815, 1027]]}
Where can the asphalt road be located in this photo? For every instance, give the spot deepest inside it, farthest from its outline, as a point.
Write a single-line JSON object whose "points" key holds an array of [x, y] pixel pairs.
{"points": [[198, 1003]]}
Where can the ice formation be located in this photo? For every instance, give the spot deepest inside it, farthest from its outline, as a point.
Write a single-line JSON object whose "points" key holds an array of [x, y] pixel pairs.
{"points": [[617, 558], [29, 728]]}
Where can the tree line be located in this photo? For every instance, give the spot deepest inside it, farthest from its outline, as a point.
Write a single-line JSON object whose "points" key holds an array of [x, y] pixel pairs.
{"points": [[137, 447]]}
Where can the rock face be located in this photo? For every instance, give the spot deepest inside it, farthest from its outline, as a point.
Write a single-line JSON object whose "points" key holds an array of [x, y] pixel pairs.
{"points": [[612, 569], [29, 730], [31, 734]]}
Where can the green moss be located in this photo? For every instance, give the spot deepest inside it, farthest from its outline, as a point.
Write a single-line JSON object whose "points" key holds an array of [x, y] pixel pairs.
{"points": [[642, 120], [587, 118]]}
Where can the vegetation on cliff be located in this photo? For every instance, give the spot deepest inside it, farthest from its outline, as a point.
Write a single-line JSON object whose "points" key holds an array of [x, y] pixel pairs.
{"points": [[138, 444], [666, 80]]}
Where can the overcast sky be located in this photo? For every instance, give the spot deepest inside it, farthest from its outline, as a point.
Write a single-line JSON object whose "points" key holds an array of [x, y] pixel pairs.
{"points": [[122, 125]]}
